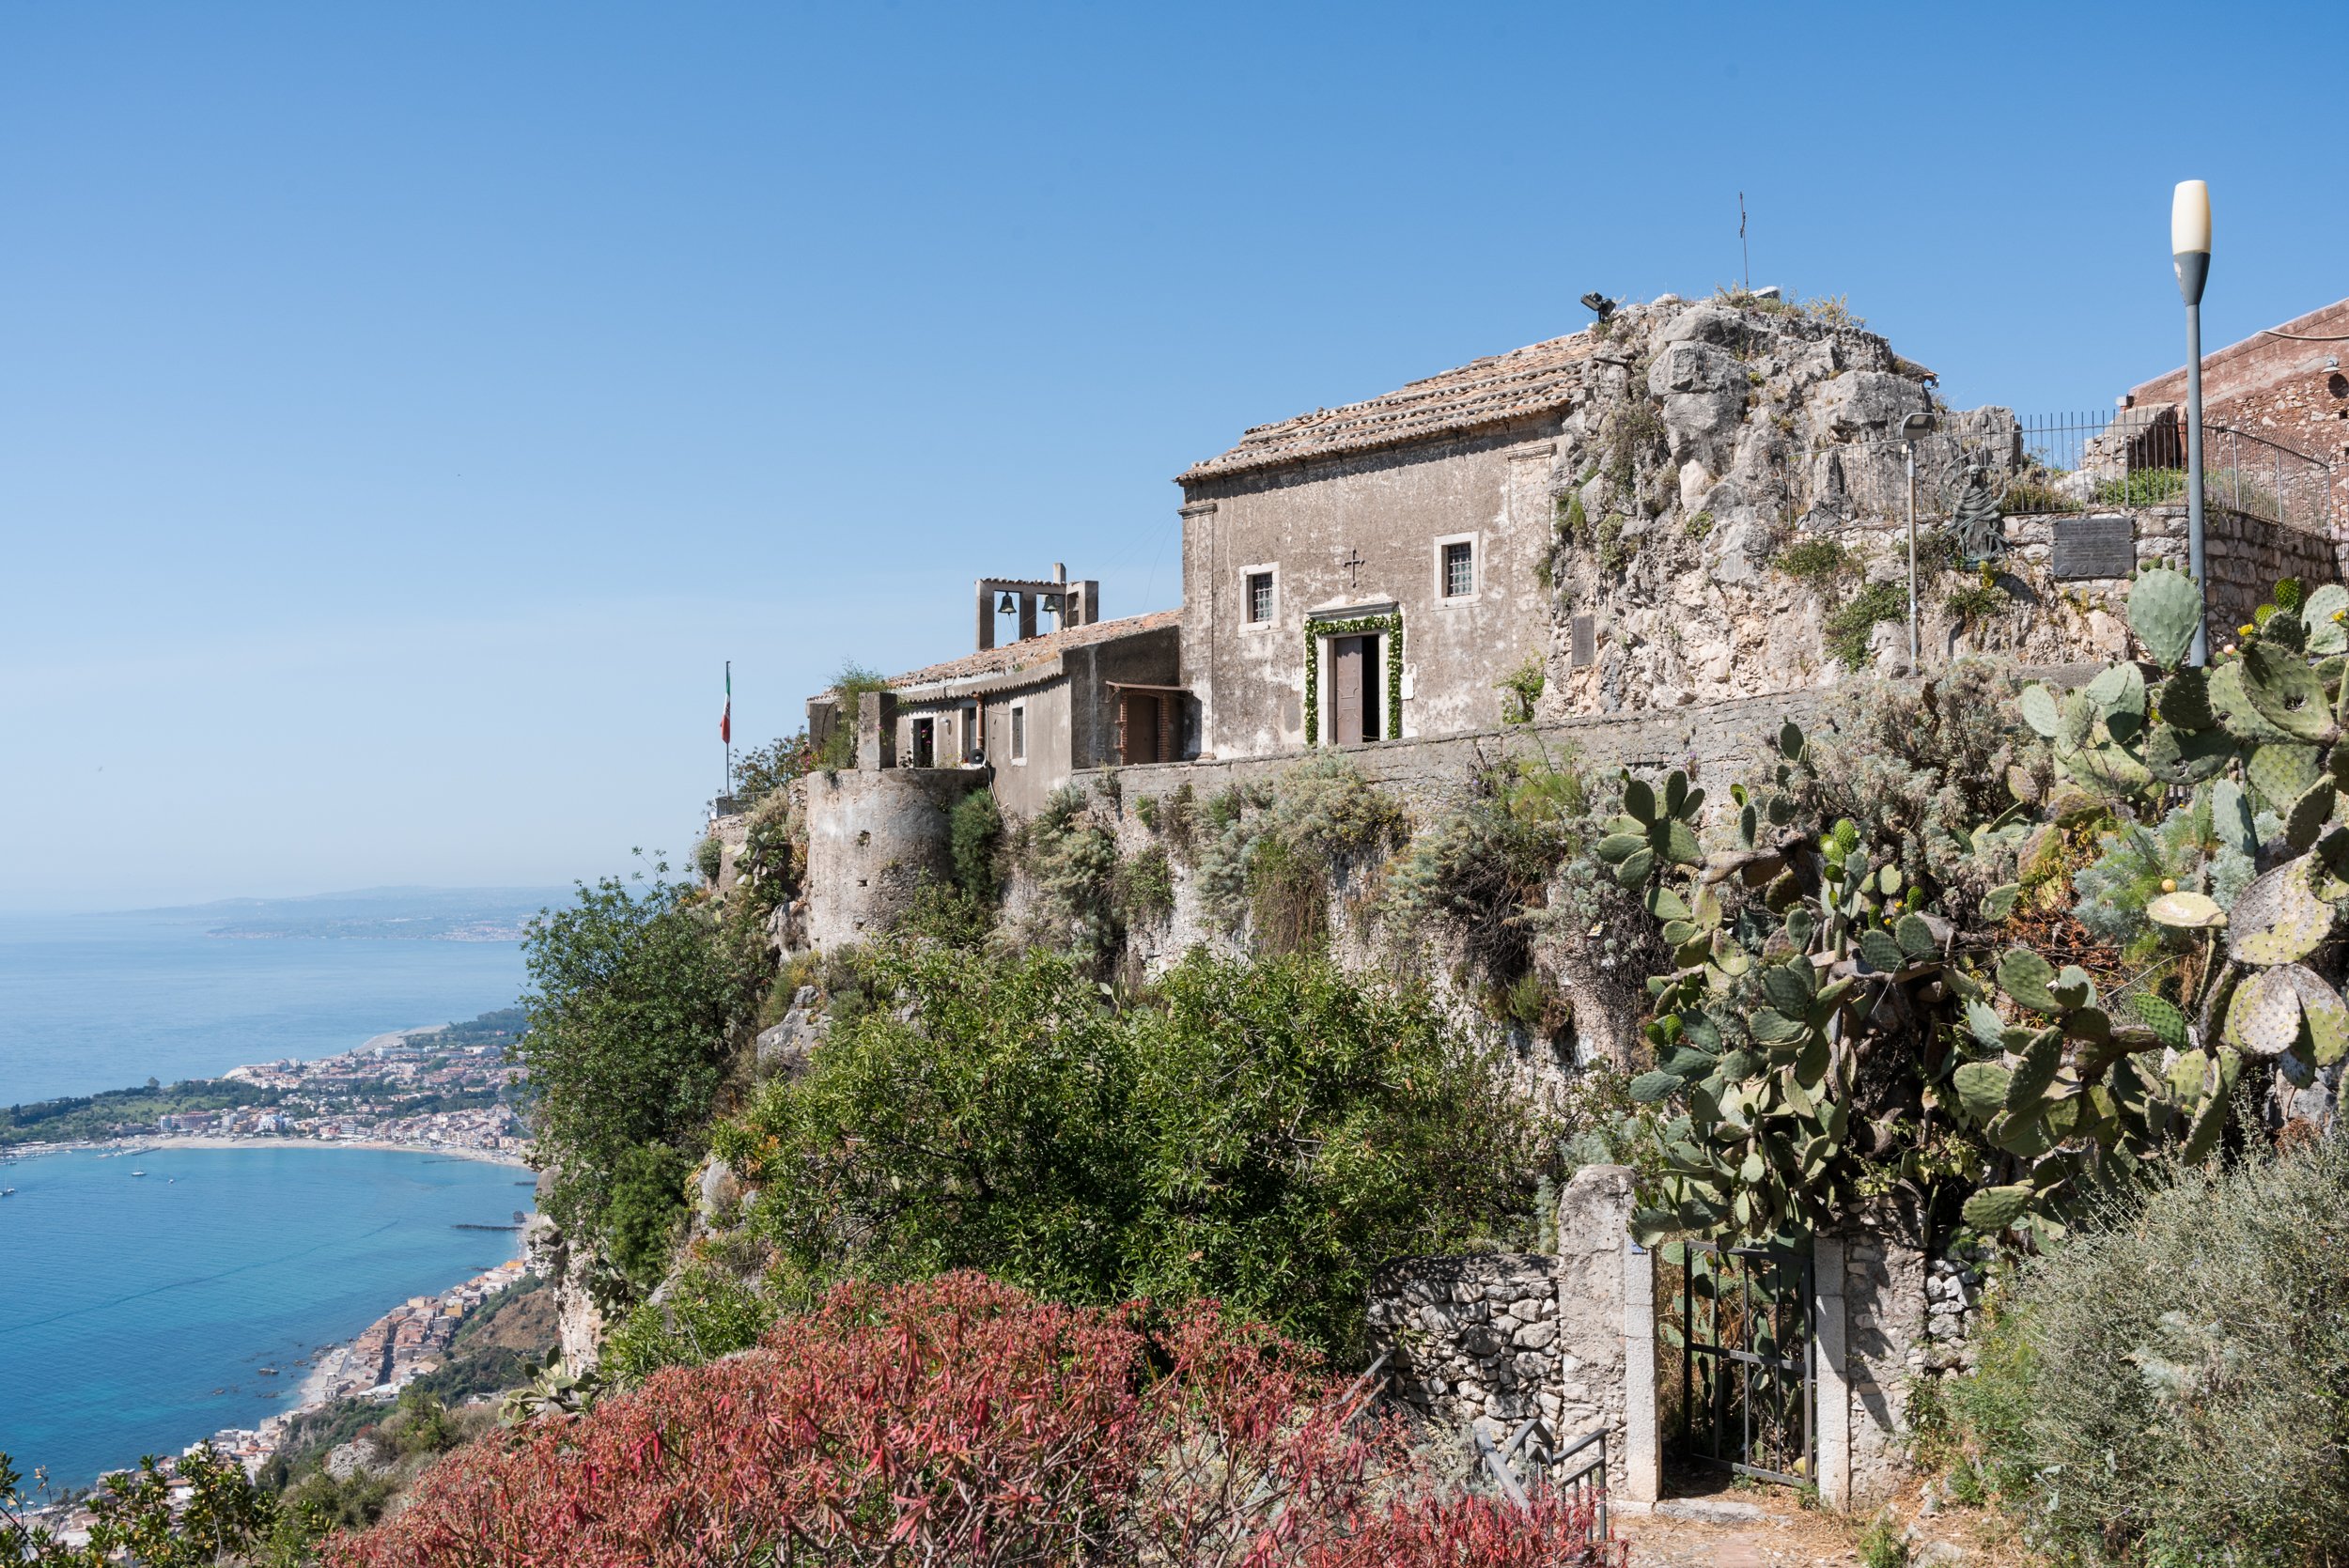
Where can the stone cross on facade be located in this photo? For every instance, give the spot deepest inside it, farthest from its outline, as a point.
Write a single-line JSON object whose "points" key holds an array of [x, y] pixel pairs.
{"points": [[1353, 564]]}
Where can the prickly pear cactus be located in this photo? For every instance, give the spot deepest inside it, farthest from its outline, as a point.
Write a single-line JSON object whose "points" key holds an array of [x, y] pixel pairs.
{"points": [[1802, 952]]}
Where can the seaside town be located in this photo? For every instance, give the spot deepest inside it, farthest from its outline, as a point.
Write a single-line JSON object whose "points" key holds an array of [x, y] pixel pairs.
{"points": [[395, 1350], [448, 1088]]}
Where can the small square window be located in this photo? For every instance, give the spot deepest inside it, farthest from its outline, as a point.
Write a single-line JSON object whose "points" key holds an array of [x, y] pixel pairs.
{"points": [[1459, 570], [1018, 734], [1259, 595]]}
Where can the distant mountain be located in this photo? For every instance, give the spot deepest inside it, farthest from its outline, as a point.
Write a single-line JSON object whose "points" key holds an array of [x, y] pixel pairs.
{"points": [[412, 914]]}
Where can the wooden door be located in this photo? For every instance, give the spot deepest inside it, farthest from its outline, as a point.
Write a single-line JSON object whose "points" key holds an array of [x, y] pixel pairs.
{"points": [[1347, 660], [925, 742], [1141, 728]]}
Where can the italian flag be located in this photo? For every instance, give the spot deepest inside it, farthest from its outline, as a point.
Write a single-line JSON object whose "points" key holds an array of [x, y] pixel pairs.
{"points": [[725, 716]]}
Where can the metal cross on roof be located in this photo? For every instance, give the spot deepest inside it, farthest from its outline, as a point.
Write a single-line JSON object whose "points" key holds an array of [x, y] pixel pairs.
{"points": [[1353, 564]]}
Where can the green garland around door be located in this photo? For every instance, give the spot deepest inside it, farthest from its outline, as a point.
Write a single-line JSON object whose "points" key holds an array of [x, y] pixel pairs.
{"points": [[1390, 627]]}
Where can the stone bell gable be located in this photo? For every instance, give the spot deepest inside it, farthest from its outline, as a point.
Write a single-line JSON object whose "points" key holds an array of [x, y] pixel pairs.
{"points": [[1372, 572]]}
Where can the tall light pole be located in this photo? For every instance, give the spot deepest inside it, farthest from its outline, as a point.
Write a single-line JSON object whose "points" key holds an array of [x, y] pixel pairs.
{"points": [[2190, 253], [1913, 430]]}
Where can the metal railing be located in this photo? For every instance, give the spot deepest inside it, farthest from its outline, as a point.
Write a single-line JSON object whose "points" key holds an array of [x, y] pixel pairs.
{"points": [[2058, 463], [1583, 1484]]}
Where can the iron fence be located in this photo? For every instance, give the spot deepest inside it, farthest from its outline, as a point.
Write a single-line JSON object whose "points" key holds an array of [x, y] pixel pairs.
{"points": [[1577, 1473], [2037, 464]]}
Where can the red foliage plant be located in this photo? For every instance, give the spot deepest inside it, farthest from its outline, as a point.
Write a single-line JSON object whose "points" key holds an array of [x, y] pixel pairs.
{"points": [[960, 1422]]}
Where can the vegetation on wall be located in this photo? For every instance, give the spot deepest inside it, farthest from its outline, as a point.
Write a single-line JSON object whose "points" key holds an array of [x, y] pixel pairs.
{"points": [[849, 687], [1270, 850], [1265, 1132]]}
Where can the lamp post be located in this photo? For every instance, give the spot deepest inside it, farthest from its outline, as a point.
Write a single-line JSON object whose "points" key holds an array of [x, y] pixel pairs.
{"points": [[2190, 253], [1913, 430]]}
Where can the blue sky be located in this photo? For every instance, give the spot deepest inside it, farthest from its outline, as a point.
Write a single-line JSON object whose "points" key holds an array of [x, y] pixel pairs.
{"points": [[405, 409]]}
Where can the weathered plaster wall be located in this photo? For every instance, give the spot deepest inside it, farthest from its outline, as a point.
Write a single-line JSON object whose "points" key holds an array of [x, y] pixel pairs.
{"points": [[1387, 510], [872, 837], [1884, 1338]]}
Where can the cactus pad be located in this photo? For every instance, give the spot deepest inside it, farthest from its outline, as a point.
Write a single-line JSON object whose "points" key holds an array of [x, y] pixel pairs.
{"points": [[2187, 756], [2075, 720], [2309, 814], [1980, 1088], [2324, 1016], [2278, 919], [2325, 634], [2038, 706], [2185, 911], [2165, 607], [1915, 935], [2119, 693], [2162, 1017], [2280, 774], [2286, 692], [2263, 1017], [2234, 705], [2027, 1089], [2025, 976], [1994, 1208], [2184, 701]]}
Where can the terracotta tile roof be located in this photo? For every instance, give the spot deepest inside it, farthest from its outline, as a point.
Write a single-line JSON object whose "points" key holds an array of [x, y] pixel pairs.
{"points": [[1036, 650], [1485, 392]]}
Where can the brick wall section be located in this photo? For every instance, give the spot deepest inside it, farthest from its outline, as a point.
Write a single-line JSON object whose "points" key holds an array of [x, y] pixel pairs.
{"points": [[2279, 389]]}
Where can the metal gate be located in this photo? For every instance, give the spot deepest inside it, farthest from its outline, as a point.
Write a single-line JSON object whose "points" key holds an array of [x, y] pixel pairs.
{"points": [[1741, 1318]]}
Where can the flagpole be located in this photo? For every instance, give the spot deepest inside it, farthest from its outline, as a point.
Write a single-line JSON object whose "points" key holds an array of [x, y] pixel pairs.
{"points": [[729, 726]]}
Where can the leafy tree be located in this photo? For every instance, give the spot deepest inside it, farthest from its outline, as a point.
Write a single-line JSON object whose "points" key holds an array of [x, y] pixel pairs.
{"points": [[763, 770], [226, 1518], [1266, 1133], [643, 1000]]}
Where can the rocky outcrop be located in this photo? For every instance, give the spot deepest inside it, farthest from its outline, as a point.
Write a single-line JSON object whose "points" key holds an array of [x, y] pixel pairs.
{"points": [[1714, 435], [784, 1049]]}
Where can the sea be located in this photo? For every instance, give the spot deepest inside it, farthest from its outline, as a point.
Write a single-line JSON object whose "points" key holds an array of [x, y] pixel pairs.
{"points": [[137, 1313]]}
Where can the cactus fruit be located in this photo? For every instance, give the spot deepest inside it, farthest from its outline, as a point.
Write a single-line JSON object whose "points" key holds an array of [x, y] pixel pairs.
{"points": [[2165, 607]]}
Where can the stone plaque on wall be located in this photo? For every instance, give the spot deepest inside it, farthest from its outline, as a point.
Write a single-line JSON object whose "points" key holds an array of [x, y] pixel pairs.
{"points": [[1585, 644], [2093, 547]]}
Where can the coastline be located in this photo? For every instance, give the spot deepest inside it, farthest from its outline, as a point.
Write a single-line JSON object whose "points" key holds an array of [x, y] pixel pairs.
{"points": [[508, 1158]]}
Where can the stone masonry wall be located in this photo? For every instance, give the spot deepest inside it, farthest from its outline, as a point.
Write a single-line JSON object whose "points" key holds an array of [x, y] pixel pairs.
{"points": [[1472, 1339], [1484, 1341]]}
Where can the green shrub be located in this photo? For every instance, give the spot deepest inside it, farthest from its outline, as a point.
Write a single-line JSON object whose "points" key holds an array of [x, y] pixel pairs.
{"points": [[2034, 496], [1266, 1132], [2167, 1385], [2144, 486], [710, 857], [646, 1211], [706, 1315], [1849, 627], [974, 834], [1479, 868], [642, 1002], [1072, 859], [1520, 689], [1815, 561], [1145, 886], [1276, 846], [762, 770], [1977, 599], [850, 685]]}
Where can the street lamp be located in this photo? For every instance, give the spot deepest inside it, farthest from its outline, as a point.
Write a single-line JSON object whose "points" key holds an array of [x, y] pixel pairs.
{"points": [[1913, 430], [2189, 251]]}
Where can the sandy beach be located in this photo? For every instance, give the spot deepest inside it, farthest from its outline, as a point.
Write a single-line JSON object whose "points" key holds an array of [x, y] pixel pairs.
{"points": [[202, 1140]]}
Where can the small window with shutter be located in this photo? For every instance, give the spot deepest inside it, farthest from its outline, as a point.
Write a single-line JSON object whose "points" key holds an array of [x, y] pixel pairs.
{"points": [[1018, 731]]}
